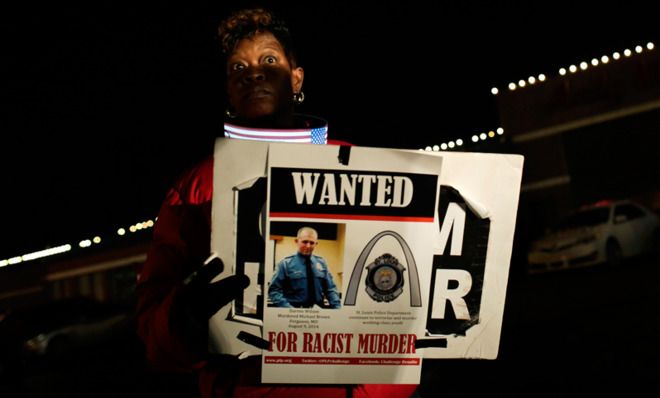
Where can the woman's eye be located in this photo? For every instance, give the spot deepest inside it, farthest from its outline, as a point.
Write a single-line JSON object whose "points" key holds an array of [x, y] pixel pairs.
{"points": [[237, 67], [270, 59]]}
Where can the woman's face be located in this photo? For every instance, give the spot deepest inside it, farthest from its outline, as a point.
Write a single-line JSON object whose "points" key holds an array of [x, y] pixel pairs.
{"points": [[261, 81]]}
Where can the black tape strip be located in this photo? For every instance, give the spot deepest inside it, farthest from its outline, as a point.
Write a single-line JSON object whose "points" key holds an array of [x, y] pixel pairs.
{"points": [[253, 340], [344, 154], [425, 343]]}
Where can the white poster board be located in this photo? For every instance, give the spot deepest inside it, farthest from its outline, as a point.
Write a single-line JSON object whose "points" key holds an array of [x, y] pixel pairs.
{"points": [[463, 285]]}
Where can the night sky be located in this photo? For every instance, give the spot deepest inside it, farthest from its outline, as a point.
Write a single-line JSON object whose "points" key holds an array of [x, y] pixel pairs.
{"points": [[90, 92]]}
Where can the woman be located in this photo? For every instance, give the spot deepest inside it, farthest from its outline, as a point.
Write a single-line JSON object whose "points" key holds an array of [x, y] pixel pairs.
{"points": [[175, 299]]}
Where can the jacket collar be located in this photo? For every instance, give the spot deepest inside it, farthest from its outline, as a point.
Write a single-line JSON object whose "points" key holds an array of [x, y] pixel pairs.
{"points": [[313, 130]]}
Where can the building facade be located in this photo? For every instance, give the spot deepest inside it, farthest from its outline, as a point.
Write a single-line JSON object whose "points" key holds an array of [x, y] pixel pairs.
{"points": [[586, 136]]}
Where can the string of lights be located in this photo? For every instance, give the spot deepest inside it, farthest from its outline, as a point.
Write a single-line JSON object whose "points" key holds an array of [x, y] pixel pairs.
{"points": [[581, 66], [456, 144], [83, 244], [541, 77]]}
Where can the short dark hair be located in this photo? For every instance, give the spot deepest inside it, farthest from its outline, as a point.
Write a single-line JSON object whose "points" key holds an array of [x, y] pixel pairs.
{"points": [[247, 22]]}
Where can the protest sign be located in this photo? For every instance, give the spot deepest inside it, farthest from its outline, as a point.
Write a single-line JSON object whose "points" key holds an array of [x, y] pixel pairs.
{"points": [[380, 207], [364, 205]]}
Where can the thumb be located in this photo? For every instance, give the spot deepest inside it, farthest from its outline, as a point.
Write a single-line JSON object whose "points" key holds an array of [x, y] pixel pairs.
{"points": [[225, 290], [205, 273]]}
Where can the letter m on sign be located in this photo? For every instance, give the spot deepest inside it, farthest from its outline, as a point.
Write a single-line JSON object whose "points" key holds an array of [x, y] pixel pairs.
{"points": [[458, 266]]}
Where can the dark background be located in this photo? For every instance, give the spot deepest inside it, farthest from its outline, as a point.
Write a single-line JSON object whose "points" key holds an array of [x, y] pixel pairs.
{"points": [[106, 103]]}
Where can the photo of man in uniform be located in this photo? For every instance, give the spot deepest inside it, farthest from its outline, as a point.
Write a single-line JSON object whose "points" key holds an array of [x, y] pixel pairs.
{"points": [[303, 279]]}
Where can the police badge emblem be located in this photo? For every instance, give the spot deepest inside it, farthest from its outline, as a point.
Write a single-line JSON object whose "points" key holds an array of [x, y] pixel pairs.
{"points": [[387, 284], [385, 278]]}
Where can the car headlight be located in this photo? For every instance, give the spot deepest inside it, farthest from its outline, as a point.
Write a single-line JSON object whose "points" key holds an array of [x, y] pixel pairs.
{"points": [[35, 344]]}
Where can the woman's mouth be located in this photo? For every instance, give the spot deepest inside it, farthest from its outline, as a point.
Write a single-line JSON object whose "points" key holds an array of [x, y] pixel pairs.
{"points": [[257, 93]]}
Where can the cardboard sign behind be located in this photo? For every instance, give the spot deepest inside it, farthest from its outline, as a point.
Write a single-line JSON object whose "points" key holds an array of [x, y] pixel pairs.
{"points": [[471, 242]]}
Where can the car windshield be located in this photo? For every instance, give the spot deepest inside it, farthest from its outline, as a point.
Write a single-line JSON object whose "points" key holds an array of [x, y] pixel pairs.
{"points": [[586, 218]]}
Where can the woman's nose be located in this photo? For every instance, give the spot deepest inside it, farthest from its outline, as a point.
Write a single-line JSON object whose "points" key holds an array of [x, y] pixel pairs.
{"points": [[254, 73]]}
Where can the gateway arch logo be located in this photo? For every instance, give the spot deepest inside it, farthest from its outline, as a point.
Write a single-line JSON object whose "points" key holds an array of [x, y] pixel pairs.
{"points": [[385, 275]]}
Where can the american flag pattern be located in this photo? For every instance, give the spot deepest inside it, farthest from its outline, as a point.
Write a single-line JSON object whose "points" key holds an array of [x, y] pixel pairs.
{"points": [[317, 135]]}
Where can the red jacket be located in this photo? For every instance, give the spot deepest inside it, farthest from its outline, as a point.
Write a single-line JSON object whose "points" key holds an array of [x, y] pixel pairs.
{"points": [[181, 242]]}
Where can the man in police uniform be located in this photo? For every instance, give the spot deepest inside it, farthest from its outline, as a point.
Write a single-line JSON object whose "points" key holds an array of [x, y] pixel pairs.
{"points": [[303, 280]]}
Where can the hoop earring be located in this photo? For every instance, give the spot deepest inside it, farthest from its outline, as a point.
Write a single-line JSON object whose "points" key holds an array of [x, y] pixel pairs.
{"points": [[298, 98], [230, 114]]}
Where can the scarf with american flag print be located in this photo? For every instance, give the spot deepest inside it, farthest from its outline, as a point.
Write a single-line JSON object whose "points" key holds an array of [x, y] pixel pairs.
{"points": [[310, 135]]}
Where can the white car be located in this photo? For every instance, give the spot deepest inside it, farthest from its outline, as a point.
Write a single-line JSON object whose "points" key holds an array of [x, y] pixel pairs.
{"points": [[605, 232]]}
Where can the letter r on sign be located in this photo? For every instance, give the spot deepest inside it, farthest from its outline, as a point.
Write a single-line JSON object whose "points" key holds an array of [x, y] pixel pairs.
{"points": [[455, 296]]}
